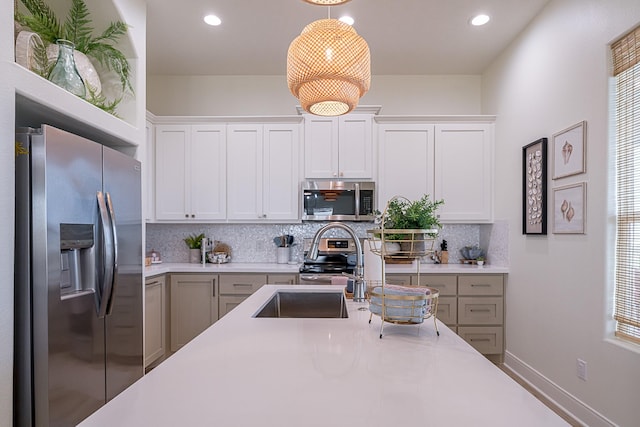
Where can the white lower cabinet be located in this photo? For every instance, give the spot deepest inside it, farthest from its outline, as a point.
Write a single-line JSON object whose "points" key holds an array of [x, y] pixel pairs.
{"points": [[472, 305], [194, 306], [154, 319]]}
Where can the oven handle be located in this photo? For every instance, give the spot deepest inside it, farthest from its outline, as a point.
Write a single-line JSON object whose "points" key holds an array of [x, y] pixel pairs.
{"points": [[322, 278]]}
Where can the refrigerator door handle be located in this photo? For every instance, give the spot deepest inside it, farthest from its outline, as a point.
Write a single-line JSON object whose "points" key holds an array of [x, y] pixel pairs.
{"points": [[106, 283], [114, 280]]}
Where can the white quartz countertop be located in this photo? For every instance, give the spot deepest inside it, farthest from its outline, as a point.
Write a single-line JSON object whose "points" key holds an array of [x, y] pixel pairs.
{"points": [[231, 267], [246, 371], [293, 268]]}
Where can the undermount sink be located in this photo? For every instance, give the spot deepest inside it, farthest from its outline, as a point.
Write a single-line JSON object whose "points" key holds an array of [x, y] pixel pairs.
{"points": [[292, 304]]}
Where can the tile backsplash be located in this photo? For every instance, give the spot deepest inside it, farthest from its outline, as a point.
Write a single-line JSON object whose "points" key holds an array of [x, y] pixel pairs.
{"points": [[254, 242]]}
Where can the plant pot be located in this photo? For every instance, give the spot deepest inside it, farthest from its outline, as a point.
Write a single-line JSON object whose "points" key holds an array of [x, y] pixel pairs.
{"points": [[194, 256]]}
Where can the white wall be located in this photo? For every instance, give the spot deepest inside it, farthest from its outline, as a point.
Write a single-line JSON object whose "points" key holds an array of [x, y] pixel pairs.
{"points": [[559, 289], [7, 137], [269, 95]]}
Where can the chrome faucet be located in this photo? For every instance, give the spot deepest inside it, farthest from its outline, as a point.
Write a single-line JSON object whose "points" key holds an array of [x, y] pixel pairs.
{"points": [[359, 285]]}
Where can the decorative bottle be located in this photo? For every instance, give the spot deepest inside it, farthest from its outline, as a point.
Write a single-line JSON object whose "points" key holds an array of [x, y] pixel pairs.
{"points": [[64, 72]]}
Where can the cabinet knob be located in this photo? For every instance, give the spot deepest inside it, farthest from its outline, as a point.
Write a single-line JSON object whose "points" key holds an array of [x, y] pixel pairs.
{"points": [[186, 215], [193, 216]]}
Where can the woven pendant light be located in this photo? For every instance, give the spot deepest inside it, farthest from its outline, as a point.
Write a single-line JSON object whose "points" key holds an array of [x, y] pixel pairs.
{"points": [[327, 2], [328, 68]]}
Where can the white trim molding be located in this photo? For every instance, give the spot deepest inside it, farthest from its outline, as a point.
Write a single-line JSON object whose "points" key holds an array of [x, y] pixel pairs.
{"points": [[580, 411]]}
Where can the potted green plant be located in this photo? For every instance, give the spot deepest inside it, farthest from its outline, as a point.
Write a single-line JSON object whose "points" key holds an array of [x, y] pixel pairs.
{"points": [[78, 29], [194, 242], [417, 217]]}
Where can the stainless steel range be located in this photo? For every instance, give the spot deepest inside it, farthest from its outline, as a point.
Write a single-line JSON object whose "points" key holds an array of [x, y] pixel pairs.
{"points": [[336, 256]]}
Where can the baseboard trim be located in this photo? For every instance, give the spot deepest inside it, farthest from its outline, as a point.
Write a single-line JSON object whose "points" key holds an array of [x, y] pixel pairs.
{"points": [[556, 394]]}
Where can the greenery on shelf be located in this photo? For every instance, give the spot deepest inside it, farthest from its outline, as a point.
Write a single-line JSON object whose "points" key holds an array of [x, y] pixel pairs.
{"points": [[416, 215], [78, 29], [194, 241]]}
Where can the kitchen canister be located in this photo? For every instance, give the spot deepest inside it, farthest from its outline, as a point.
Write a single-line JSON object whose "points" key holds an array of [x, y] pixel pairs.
{"points": [[282, 254]]}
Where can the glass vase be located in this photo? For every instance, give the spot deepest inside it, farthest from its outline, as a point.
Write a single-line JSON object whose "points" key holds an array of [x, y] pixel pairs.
{"points": [[64, 72]]}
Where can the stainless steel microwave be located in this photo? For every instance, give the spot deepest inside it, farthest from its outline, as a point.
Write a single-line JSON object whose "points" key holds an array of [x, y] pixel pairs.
{"points": [[338, 201]]}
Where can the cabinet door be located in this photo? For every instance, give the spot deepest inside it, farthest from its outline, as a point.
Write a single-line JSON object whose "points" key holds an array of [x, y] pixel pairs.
{"points": [[194, 306], [229, 302], [280, 198], [154, 319], [320, 147], [463, 171], [405, 161], [355, 150], [170, 171], [244, 172], [282, 279], [148, 189], [207, 172]]}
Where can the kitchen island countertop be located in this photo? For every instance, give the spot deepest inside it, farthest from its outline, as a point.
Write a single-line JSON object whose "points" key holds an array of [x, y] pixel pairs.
{"points": [[246, 371]]}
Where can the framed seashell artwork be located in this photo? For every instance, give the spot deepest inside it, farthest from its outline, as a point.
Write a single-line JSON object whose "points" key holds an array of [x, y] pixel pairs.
{"points": [[569, 151], [534, 187], [570, 208]]}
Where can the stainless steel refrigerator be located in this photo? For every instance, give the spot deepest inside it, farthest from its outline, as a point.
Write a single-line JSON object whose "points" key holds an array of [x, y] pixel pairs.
{"points": [[78, 281]]}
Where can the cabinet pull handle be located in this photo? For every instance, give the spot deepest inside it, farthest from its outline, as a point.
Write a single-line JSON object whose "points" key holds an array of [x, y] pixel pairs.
{"points": [[214, 288], [480, 339], [484, 285], [242, 284], [155, 282], [480, 310]]}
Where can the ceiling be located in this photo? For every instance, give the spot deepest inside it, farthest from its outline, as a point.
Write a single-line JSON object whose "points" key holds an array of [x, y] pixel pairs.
{"points": [[405, 37]]}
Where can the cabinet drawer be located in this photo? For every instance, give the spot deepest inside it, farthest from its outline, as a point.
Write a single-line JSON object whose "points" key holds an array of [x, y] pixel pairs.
{"points": [[398, 279], [480, 310], [485, 339], [282, 279], [445, 284], [241, 284], [447, 310], [480, 284]]}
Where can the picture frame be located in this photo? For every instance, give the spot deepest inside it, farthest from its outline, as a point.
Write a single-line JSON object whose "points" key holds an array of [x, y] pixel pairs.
{"points": [[534, 187], [570, 209], [569, 151]]}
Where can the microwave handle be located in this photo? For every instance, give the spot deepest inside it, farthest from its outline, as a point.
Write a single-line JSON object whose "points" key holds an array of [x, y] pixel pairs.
{"points": [[357, 187]]}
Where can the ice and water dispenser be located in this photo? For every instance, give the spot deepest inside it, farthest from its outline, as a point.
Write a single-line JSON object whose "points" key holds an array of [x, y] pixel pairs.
{"points": [[77, 257]]}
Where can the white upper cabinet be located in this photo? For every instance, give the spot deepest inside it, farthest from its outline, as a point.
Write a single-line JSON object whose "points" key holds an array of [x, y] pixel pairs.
{"points": [[190, 174], [451, 160], [405, 166], [338, 147], [464, 171], [262, 172]]}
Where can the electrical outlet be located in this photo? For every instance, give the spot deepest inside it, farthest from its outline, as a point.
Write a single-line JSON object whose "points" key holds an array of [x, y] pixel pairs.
{"points": [[581, 369]]}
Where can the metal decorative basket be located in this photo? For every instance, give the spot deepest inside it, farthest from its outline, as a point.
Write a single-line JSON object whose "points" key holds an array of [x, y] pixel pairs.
{"points": [[401, 304]]}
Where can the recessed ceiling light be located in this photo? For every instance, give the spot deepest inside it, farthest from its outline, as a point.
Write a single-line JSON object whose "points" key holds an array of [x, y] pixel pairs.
{"points": [[347, 20], [480, 20], [212, 20]]}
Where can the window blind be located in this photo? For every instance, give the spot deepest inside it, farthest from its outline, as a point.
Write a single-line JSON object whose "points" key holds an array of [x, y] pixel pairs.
{"points": [[626, 66]]}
